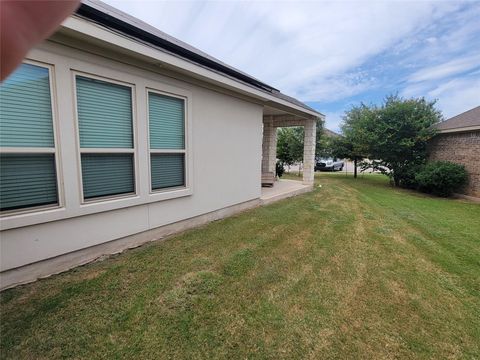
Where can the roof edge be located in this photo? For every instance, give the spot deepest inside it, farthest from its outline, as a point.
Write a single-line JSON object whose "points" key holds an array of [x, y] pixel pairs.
{"points": [[85, 27], [459, 129], [96, 15]]}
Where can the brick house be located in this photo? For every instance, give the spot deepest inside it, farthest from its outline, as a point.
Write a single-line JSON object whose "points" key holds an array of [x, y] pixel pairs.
{"points": [[458, 141]]}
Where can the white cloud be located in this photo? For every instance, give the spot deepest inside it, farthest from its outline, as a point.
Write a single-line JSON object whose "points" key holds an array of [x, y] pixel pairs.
{"points": [[415, 90], [303, 48], [453, 96], [336, 88], [446, 69], [457, 95], [322, 51], [333, 120]]}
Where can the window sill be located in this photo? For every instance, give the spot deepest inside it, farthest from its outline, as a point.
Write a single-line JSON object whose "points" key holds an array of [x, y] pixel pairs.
{"points": [[26, 218], [16, 220]]}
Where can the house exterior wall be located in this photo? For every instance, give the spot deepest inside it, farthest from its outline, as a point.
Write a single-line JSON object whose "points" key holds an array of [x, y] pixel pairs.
{"points": [[461, 148], [224, 164]]}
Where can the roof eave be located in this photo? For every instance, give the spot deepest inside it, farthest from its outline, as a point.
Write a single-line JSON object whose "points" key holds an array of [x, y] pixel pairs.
{"points": [[459, 129], [105, 19], [96, 32]]}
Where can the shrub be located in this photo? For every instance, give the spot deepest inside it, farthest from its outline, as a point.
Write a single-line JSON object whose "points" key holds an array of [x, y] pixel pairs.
{"points": [[407, 177], [279, 169], [441, 178]]}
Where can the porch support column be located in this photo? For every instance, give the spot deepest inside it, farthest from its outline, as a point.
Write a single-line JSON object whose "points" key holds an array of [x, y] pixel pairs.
{"points": [[309, 142], [269, 145]]}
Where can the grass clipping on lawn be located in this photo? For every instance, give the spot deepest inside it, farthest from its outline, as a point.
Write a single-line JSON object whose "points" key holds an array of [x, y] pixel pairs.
{"points": [[355, 269]]}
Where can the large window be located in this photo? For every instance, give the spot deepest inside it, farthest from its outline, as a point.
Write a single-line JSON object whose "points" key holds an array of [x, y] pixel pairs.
{"points": [[28, 174], [167, 141], [105, 125]]}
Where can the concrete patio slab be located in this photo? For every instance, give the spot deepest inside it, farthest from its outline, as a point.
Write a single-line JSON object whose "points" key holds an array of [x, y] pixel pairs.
{"points": [[283, 189]]}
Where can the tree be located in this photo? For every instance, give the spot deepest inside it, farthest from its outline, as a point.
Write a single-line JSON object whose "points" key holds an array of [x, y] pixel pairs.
{"points": [[321, 140], [394, 136], [352, 145], [324, 146], [289, 145], [344, 148], [398, 133]]}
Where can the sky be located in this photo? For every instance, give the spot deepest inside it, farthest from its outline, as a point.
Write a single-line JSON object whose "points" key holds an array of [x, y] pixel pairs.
{"points": [[334, 55]]}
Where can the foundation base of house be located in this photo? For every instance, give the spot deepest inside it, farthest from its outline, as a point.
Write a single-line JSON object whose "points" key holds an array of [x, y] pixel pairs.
{"points": [[467, 197], [45, 268]]}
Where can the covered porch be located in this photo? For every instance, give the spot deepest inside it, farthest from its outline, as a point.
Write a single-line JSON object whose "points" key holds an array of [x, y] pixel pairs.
{"points": [[272, 188]]}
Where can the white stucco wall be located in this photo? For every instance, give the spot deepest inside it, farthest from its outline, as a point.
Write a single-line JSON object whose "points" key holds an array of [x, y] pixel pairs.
{"points": [[225, 161]]}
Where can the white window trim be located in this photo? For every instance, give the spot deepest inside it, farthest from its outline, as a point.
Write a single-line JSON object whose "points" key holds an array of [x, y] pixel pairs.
{"points": [[36, 150], [63, 82], [107, 151], [184, 151], [27, 150], [168, 151], [81, 150]]}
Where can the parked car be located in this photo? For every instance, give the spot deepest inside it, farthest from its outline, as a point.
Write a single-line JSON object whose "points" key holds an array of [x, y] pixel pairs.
{"points": [[328, 164]]}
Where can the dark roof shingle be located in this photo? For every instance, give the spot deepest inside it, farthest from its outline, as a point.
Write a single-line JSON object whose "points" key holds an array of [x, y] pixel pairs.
{"points": [[464, 120]]}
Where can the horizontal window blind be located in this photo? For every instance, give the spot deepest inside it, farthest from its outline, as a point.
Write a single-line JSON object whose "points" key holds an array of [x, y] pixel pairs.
{"points": [[167, 132], [105, 120], [104, 114], [107, 174], [166, 122], [26, 108], [167, 170], [27, 180]]}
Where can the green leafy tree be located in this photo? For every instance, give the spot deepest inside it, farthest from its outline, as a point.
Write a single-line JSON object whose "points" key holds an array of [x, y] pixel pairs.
{"points": [[394, 135], [288, 146], [398, 136], [322, 140], [325, 143], [352, 145], [345, 148], [323, 148], [290, 143]]}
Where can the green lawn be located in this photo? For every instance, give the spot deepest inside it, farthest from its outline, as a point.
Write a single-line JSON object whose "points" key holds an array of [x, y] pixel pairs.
{"points": [[355, 269]]}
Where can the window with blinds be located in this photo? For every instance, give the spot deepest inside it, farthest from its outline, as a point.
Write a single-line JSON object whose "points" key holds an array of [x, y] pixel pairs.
{"points": [[28, 176], [105, 124], [167, 141]]}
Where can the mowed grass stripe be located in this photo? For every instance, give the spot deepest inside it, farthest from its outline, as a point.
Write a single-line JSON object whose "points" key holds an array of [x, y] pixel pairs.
{"points": [[355, 269]]}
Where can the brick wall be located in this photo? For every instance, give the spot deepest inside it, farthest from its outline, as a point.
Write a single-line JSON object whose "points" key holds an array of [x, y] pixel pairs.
{"points": [[460, 148]]}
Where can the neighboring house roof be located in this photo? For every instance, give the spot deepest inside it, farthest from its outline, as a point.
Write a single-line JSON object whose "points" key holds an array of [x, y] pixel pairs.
{"points": [[331, 133], [112, 18], [466, 121]]}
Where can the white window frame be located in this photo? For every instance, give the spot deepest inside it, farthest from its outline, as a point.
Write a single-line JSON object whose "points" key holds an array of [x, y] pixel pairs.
{"points": [[66, 66], [183, 151], [81, 150], [38, 150]]}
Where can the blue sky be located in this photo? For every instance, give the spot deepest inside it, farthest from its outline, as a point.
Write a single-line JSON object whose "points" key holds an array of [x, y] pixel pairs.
{"points": [[333, 55]]}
